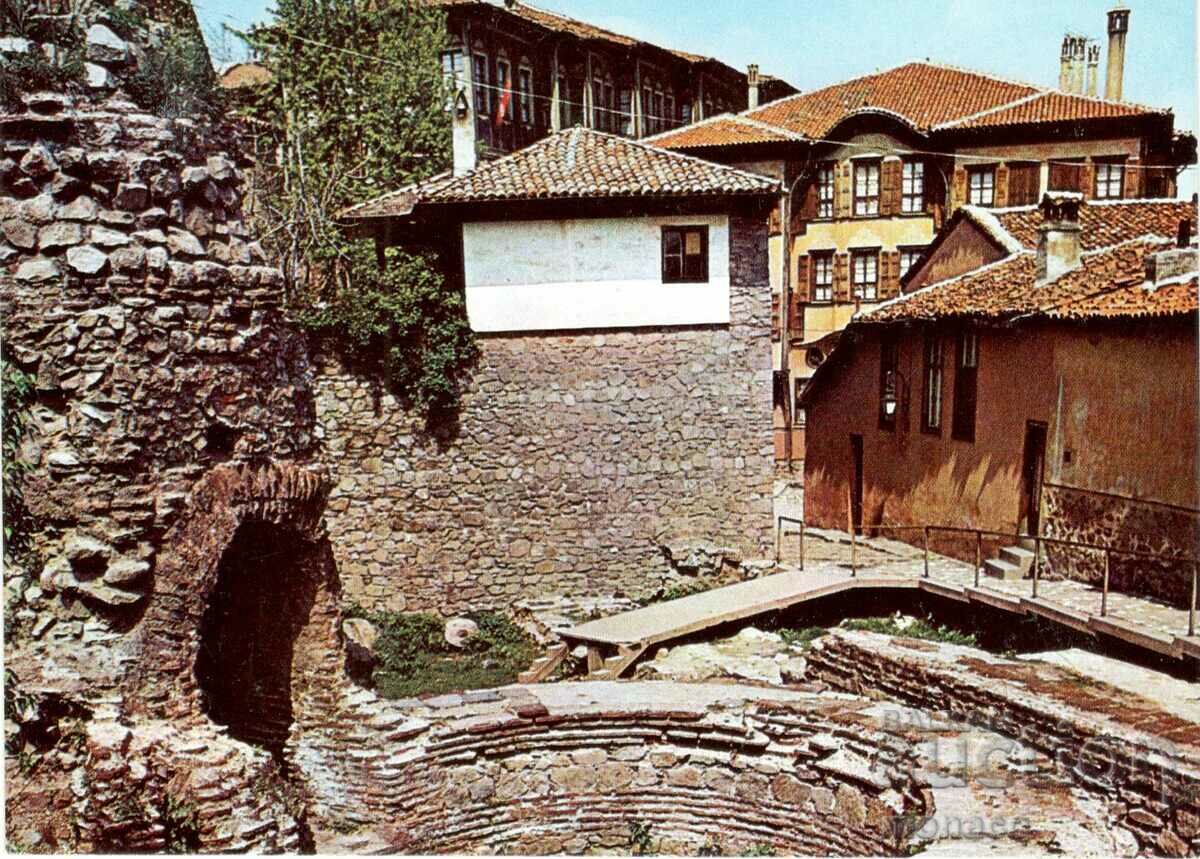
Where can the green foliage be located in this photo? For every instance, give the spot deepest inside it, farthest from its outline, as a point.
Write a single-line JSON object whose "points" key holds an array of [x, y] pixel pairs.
{"points": [[678, 591], [923, 629], [181, 826], [711, 847], [415, 659], [17, 393], [803, 637], [640, 841], [175, 80], [357, 107], [21, 74], [402, 323], [761, 849], [126, 23]]}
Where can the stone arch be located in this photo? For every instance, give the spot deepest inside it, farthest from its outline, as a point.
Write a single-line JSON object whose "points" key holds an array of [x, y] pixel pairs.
{"points": [[212, 558]]}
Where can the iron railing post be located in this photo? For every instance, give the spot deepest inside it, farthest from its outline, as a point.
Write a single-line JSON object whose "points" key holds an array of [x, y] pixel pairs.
{"points": [[1037, 561], [978, 555], [853, 552], [1104, 593], [802, 544], [926, 551], [1192, 608]]}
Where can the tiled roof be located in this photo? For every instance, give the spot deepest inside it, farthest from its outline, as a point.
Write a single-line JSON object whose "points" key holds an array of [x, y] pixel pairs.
{"points": [[574, 164], [1108, 282], [1102, 223], [726, 129], [928, 97]]}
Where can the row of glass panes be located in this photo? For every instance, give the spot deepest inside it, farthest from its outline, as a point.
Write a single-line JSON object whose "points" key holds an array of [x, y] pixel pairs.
{"points": [[1109, 183], [864, 272], [866, 188]]}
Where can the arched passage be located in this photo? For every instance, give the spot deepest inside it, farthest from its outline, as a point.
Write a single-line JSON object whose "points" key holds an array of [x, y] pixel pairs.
{"points": [[262, 600]]}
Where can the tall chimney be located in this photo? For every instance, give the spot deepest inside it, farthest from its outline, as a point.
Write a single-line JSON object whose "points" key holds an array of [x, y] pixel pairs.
{"points": [[1078, 49], [1058, 250], [1093, 69], [752, 84], [1064, 66], [463, 134], [1118, 26]]}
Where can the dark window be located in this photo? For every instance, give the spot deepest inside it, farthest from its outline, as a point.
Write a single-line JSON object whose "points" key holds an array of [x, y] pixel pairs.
{"points": [[501, 106], [1066, 176], [981, 186], [889, 388], [779, 389], [453, 66], [912, 187], [798, 413], [866, 188], [525, 84], [1110, 180], [965, 371], [931, 399], [1024, 181], [864, 274], [821, 266], [825, 191], [482, 93], [685, 254], [625, 111]]}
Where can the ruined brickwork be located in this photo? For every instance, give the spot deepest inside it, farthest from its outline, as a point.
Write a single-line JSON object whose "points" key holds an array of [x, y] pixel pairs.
{"points": [[582, 463], [1140, 762]]}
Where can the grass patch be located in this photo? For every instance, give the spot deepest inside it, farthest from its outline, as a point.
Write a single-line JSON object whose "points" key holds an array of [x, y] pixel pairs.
{"points": [[803, 637], [678, 591], [925, 630], [414, 658]]}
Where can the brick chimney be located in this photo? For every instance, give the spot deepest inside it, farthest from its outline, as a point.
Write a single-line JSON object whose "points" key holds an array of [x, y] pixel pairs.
{"points": [[1058, 250], [1064, 65], [1078, 49], [752, 82], [1093, 69], [1118, 27]]}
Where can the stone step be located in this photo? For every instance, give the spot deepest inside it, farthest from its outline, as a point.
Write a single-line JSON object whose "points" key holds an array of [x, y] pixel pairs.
{"points": [[998, 569], [1018, 557]]}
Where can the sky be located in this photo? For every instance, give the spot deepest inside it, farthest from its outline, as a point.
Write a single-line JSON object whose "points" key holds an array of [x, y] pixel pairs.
{"points": [[813, 43]]}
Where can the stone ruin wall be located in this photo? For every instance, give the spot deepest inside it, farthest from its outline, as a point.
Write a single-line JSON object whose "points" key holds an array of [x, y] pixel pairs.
{"points": [[1124, 523], [1142, 766], [584, 463]]}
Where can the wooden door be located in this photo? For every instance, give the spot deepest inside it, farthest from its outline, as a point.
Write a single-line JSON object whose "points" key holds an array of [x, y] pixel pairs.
{"points": [[1031, 476]]}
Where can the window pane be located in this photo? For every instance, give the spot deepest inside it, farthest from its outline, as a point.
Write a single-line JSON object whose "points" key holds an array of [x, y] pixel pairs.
{"points": [[672, 267], [674, 242]]}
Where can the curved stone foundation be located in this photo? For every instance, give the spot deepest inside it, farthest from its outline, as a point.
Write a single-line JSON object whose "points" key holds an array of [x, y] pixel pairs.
{"points": [[571, 768]]}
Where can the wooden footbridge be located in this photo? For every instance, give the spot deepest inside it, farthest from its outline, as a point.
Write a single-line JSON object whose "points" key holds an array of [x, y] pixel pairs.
{"points": [[614, 643]]}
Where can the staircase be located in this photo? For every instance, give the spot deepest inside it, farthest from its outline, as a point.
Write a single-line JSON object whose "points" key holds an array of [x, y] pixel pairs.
{"points": [[1015, 563]]}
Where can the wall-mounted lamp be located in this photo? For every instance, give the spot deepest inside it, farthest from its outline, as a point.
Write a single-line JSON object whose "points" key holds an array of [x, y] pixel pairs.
{"points": [[462, 107]]}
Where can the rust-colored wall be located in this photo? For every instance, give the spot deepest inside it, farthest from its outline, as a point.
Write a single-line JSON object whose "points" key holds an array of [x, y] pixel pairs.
{"points": [[964, 249], [1128, 416]]}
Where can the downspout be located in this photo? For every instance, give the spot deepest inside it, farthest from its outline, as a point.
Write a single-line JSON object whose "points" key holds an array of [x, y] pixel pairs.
{"points": [[785, 312]]}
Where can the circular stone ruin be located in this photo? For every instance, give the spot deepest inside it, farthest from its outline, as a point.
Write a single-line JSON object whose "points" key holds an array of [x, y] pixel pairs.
{"points": [[622, 768]]}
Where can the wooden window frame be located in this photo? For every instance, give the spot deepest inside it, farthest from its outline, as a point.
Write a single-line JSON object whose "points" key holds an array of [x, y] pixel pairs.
{"points": [[917, 190], [972, 172], [483, 90], [966, 385], [1106, 165], [889, 379], [816, 289], [858, 290], [869, 202], [682, 230], [931, 390], [826, 182], [915, 250], [525, 76]]}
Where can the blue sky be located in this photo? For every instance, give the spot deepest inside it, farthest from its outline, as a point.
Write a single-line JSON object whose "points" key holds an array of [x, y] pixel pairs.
{"points": [[811, 43]]}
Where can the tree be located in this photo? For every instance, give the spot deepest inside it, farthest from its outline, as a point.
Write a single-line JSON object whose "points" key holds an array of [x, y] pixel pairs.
{"points": [[356, 108]]}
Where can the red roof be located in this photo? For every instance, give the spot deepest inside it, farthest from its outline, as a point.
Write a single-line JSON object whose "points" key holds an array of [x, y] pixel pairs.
{"points": [[927, 97], [1109, 282], [574, 164], [726, 129], [1103, 224]]}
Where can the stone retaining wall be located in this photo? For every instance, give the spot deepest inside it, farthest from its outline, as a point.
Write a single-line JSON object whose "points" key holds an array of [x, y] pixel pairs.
{"points": [[584, 463], [568, 769], [1141, 761]]}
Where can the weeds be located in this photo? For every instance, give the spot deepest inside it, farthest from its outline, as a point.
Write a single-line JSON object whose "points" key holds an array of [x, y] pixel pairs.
{"points": [[640, 841], [803, 637], [925, 629]]}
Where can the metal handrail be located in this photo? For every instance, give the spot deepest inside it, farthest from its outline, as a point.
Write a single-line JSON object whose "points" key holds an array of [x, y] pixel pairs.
{"points": [[1038, 541]]}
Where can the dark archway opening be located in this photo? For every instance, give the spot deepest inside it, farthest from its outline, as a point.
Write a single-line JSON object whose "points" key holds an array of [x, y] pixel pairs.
{"points": [[262, 600]]}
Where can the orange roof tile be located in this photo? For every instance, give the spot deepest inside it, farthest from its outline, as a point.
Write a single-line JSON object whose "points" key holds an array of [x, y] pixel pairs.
{"points": [[1102, 223], [1103, 285], [727, 129], [927, 97], [573, 164]]}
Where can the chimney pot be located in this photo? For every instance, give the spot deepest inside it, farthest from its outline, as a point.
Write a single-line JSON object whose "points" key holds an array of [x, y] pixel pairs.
{"points": [[1118, 27], [752, 84], [1059, 247], [1093, 69]]}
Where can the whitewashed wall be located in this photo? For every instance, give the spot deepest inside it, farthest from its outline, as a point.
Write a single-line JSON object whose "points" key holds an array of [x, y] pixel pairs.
{"points": [[588, 273]]}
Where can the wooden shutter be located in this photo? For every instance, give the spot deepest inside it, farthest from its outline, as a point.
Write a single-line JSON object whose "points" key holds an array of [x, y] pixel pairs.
{"points": [[935, 194], [803, 284], [1133, 178], [775, 222], [775, 302], [1066, 177], [796, 316], [1001, 198], [808, 205], [1024, 180], [1088, 181], [960, 188], [889, 187], [841, 277], [843, 190], [889, 274]]}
